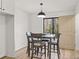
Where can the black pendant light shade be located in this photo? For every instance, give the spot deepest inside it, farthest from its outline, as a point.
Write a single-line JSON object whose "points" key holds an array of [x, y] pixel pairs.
{"points": [[41, 14]]}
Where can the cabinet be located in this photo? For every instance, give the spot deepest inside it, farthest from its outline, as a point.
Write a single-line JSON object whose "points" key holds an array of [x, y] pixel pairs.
{"points": [[8, 5]]}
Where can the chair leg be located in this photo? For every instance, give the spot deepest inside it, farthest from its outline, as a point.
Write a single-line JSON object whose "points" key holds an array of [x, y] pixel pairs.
{"points": [[48, 49], [37, 51], [54, 48], [32, 54], [28, 51], [58, 51], [58, 56], [45, 50], [41, 53]]}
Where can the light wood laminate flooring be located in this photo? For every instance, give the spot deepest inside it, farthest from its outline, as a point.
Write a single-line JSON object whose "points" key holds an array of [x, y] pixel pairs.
{"points": [[65, 54]]}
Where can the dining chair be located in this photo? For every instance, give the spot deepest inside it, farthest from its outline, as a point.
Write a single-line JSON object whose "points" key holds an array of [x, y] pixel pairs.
{"points": [[55, 43], [29, 41], [45, 41], [37, 45]]}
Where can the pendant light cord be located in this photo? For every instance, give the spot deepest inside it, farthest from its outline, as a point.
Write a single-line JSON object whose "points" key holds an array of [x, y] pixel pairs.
{"points": [[2, 6], [41, 14], [41, 4]]}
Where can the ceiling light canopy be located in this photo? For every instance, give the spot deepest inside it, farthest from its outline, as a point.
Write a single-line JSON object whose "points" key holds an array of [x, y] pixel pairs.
{"points": [[41, 14]]}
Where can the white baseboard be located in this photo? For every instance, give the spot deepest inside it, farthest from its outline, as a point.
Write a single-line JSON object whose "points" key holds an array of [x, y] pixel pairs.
{"points": [[21, 48]]}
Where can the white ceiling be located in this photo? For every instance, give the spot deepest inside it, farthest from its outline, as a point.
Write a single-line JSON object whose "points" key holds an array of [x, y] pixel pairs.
{"points": [[33, 6]]}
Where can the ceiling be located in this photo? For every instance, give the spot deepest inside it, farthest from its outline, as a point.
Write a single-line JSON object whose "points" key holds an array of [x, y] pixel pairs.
{"points": [[33, 6]]}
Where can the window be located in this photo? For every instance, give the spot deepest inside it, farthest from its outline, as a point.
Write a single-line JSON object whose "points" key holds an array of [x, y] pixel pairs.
{"points": [[50, 25]]}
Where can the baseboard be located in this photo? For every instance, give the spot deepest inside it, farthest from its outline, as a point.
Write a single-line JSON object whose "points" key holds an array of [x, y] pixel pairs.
{"points": [[21, 48], [6, 57]]}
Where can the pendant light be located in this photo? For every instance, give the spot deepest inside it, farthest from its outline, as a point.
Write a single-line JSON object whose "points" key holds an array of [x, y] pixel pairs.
{"points": [[41, 14]]}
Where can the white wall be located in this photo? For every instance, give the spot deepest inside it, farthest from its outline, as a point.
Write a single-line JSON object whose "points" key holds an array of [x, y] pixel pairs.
{"points": [[77, 27], [36, 24], [77, 8], [21, 22], [10, 46], [2, 35]]}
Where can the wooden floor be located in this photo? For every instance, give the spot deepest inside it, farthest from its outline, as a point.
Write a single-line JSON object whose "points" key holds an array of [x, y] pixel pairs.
{"points": [[65, 54], [6, 57]]}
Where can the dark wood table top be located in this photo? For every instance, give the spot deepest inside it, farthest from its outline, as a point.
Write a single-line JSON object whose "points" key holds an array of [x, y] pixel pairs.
{"points": [[42, 35]]}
